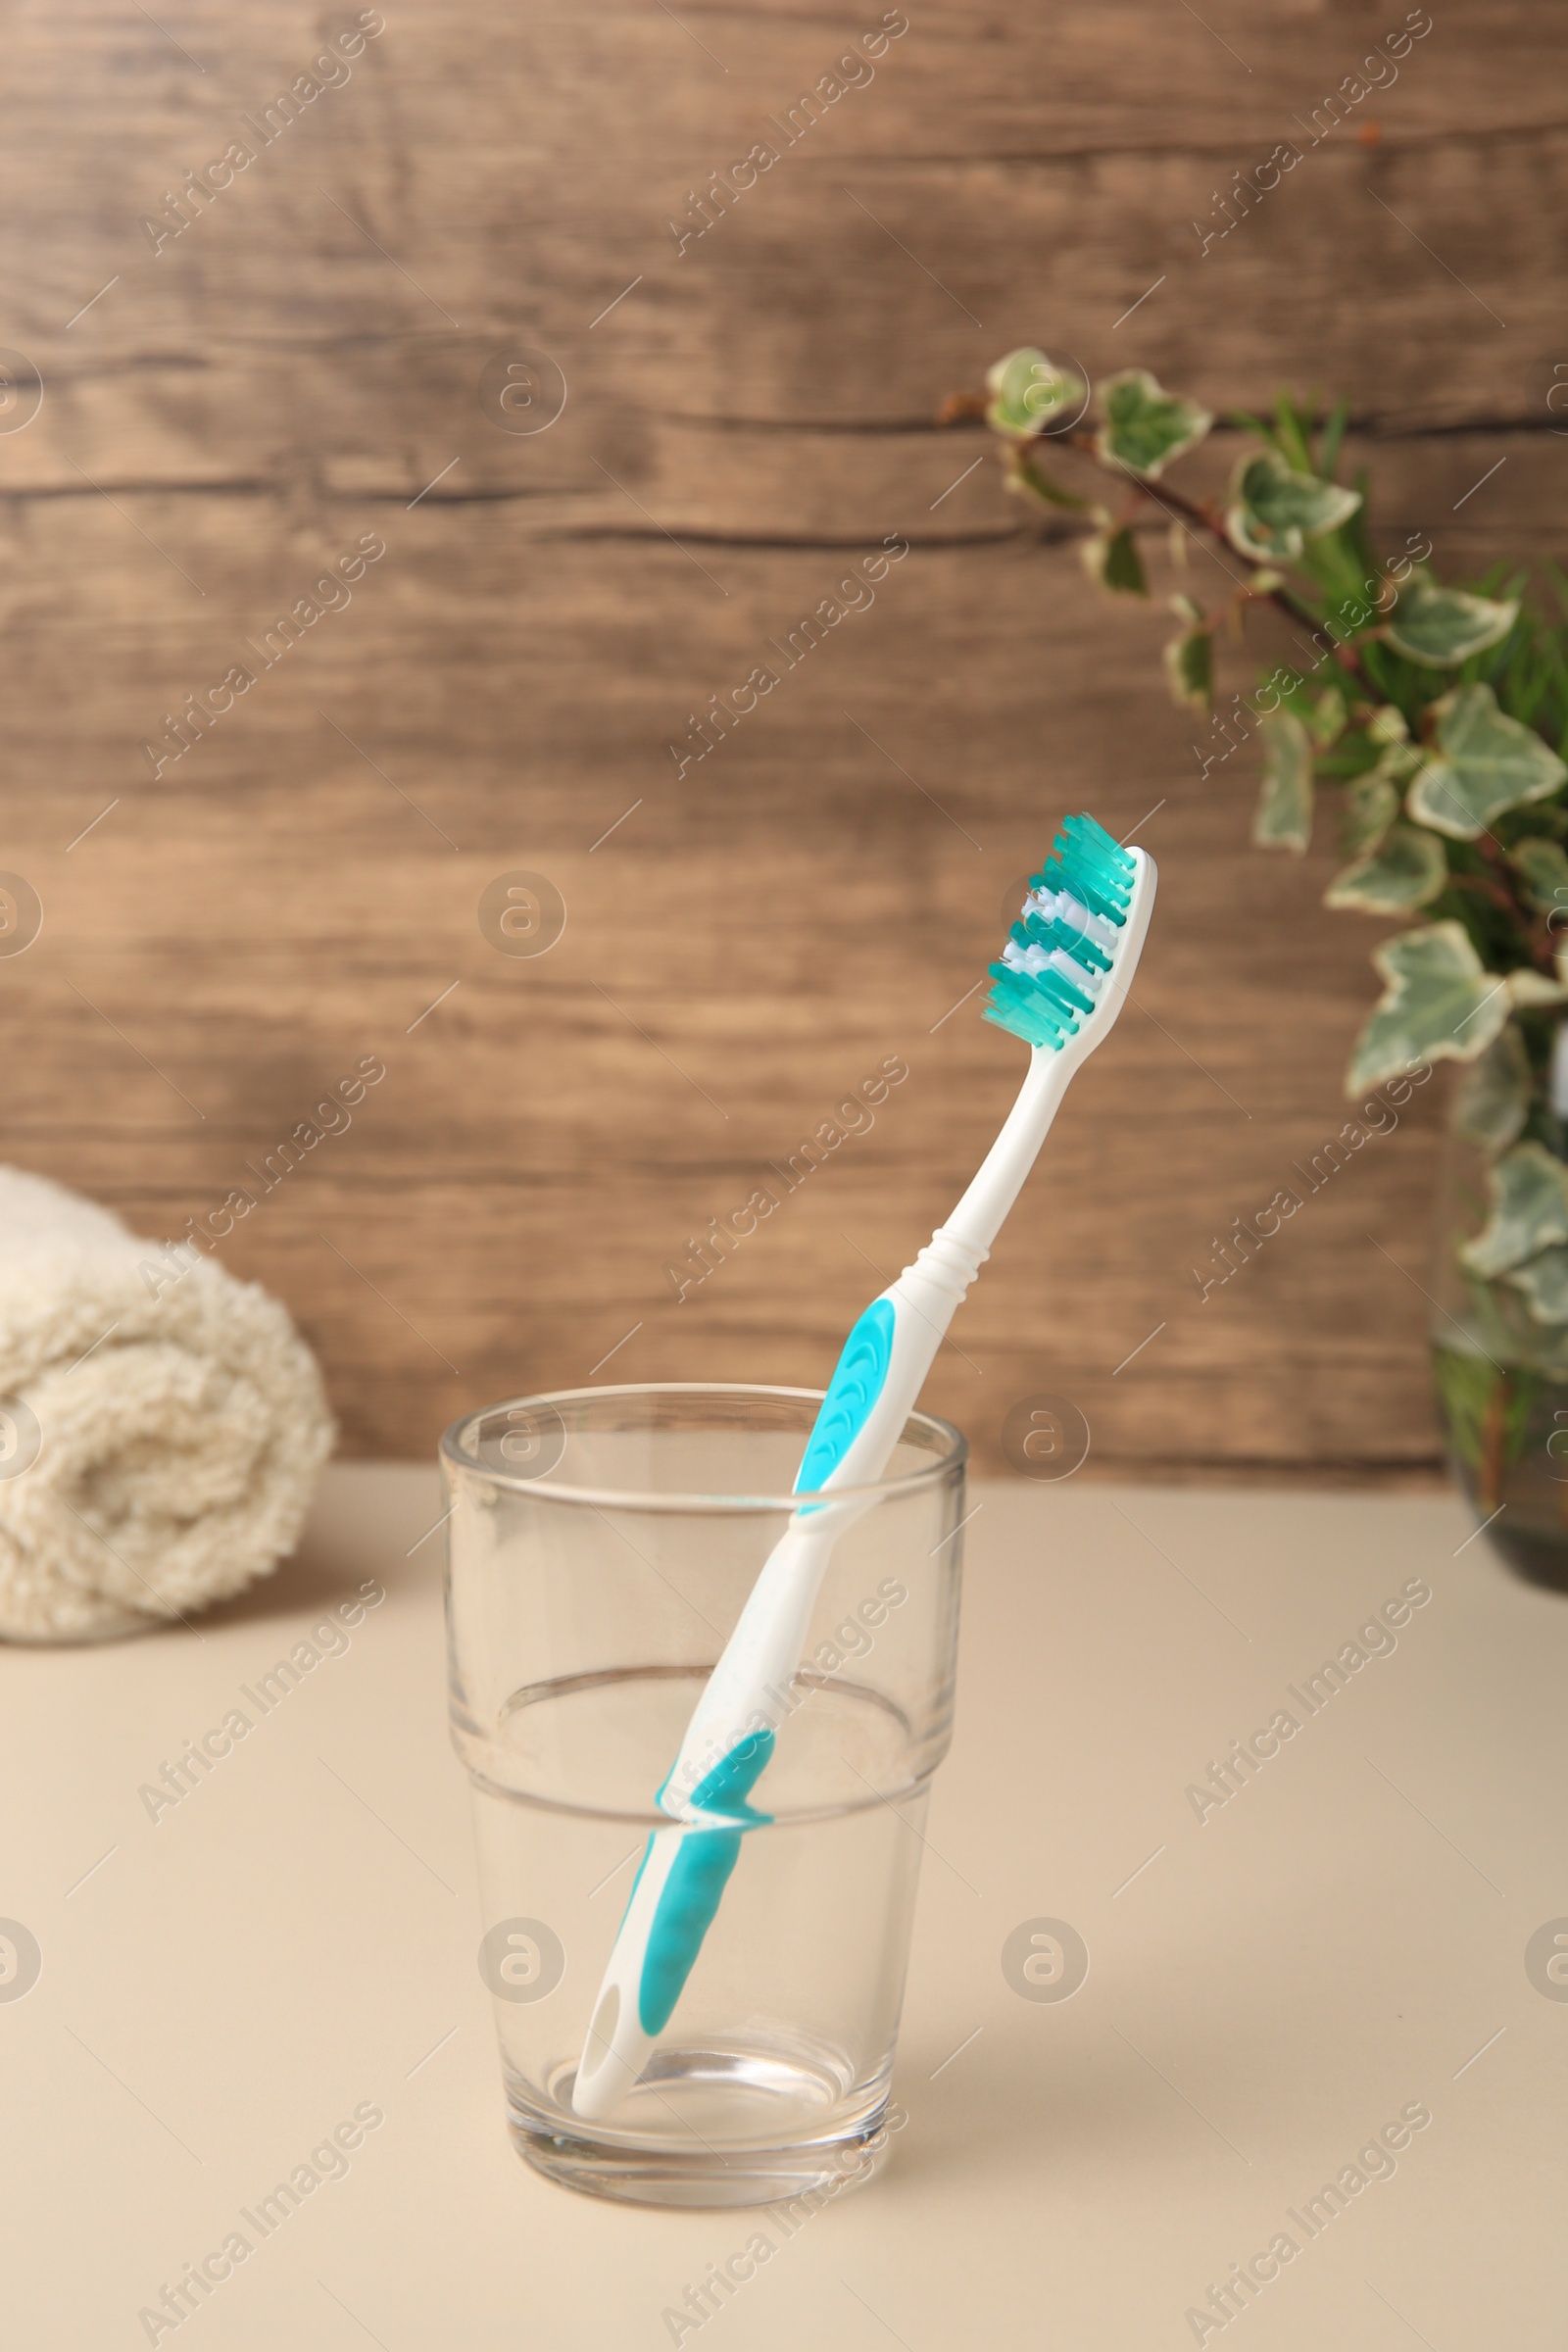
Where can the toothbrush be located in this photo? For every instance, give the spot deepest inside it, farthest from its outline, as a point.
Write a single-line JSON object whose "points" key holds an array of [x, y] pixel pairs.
{"points": [[1063, 975]]}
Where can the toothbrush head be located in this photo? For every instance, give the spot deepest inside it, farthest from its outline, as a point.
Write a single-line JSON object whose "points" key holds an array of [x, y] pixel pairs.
{"points": [[1069, 958]]}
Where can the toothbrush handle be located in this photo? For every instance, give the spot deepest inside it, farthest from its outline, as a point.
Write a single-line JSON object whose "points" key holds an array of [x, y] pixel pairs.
{"points": [[877, 1383], [1001, 1177], [875, 1387], [731, 1734]]}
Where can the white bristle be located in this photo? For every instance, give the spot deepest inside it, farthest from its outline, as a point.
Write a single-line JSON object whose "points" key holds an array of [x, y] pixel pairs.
{"points": [[1071, 970], [1066, 909], [1035, 960]]}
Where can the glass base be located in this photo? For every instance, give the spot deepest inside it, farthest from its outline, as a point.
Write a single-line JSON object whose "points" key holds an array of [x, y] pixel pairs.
{"points": [[658, 2153], [1540, 1559], [1543, 1565], [1528, 1532]]}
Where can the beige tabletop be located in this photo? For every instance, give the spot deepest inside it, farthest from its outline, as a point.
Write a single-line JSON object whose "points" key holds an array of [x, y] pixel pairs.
{"points": [[1280, 1985]]}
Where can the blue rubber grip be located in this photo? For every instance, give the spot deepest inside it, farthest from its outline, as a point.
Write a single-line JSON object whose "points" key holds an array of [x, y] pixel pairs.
{"points": [[857, 1381], [696, 1879], [700, 1870]]}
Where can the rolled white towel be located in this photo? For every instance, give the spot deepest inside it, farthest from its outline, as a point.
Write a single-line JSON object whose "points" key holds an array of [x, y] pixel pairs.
{"points": [[162, 1425]]}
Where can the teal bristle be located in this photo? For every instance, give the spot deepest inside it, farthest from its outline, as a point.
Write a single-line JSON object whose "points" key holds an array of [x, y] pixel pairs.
{"points": [[1046, 1009], [1016, 1004]]}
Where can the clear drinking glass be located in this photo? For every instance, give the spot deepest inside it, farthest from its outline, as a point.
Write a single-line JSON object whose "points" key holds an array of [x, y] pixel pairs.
{"points": [[601, 1544]]}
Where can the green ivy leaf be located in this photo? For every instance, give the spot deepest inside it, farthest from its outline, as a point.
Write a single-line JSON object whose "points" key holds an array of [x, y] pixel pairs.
{"points": [[1528, 1191], [1275, 510], [1028, 480], [1440, 1004], [1544, 867], [1400, 761], [1438, 628], [1488, 763], [1543, 1281], [1528, 989], [1494, 1098], [1326, 716], [1111, 557], [1388, 725], [1284, 818], [1145, 428], [1189, 668], [1371, 804], [1030, 393], [1407, 871]]}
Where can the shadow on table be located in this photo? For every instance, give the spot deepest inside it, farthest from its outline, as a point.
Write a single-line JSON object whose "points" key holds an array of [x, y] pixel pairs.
{"points": [[1009, 2116], [369, 1521], [310, 1582]]}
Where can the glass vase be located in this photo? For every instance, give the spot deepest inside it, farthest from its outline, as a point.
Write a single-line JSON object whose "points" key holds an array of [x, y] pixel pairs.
{"points": [[1503, 1384]]}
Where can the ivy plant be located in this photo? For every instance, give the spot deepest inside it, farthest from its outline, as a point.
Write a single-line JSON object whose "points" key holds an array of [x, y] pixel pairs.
{"points": [[1436, 714]]}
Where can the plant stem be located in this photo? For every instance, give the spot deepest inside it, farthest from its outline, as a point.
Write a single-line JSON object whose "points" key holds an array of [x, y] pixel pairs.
{"points": [[1491, 1444], [1187, 509], [963, 408], [1499, 887], [1488, 888]]}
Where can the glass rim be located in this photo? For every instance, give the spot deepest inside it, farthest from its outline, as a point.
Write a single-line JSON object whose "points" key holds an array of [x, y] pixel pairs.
{"points": [[955, 1453]]}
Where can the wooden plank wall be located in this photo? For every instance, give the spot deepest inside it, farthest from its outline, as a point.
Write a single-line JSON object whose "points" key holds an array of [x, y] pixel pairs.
{"points": [[303, 369]]}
